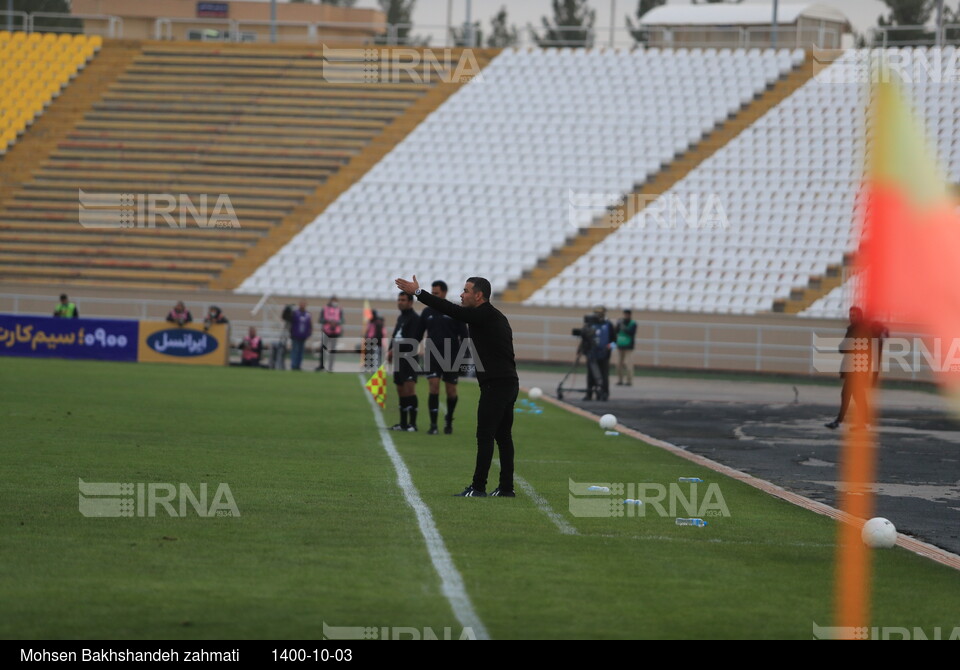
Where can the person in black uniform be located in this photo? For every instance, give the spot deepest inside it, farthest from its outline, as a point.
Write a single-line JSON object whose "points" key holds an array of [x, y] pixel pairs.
{"points": [[862, 348], [441, 350], [492, 340], [403, 347]]}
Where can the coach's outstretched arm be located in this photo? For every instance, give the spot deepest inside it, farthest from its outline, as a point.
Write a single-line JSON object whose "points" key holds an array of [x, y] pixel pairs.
{"points": [[465, 314]]}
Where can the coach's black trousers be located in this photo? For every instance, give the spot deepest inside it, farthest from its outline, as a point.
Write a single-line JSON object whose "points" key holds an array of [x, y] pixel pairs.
{"points": [[495, 422]]}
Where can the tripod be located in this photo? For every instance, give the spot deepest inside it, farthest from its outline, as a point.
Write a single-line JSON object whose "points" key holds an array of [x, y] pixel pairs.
{"points": [[593, 373]]}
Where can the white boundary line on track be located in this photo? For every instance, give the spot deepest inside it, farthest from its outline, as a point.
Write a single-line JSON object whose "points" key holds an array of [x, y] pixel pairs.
{"points": [[918, 547], [451, 582]]}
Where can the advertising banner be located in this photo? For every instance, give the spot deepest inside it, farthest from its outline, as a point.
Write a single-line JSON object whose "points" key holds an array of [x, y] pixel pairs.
{"points": [[49, 337], [164, 342]]}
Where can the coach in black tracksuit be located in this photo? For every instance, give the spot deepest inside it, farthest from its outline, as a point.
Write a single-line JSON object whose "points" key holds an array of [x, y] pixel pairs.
{"points": [[492, 340]]}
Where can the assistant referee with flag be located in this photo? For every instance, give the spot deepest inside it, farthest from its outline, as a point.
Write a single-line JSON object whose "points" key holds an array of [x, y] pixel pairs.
{"points": [[492, 340]]}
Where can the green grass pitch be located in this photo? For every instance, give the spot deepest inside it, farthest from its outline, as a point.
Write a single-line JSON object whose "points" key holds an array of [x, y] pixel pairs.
{"points": [[324, 534]]}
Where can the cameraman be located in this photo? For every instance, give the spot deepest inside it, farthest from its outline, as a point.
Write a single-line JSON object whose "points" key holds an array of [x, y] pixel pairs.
{"points": [[597, 344]]}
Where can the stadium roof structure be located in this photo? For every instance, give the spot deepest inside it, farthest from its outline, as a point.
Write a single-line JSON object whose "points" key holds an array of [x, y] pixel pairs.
{"points": [[741, 15]]}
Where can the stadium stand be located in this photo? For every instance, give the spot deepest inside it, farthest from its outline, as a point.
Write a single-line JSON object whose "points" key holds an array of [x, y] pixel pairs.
{"points": [[788, 187], [487, 181], [35, 69], [267, 127]]}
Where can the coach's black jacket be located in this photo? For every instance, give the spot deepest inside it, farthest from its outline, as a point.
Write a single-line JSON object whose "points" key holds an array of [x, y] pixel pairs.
{"points": [[490, 332]]}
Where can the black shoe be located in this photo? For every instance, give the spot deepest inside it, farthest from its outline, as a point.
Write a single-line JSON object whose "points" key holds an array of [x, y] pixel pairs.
{"points": [[503, 493], [448, 428], [400, 426], [433, 430], [411, 429], [833, 425], [470, 492], [587, 397]]}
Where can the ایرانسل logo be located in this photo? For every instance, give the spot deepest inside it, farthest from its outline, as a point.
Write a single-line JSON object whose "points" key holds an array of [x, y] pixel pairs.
{"points": [[182, 343]]}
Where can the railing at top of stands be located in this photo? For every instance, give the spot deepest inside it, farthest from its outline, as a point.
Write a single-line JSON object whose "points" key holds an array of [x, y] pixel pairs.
{"points": [[895, 36], [448, 35], [114, 24], [8, 20]]}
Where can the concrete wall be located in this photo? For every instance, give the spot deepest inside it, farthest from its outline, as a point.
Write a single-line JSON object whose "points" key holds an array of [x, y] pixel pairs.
{"points": [[764, 343]]}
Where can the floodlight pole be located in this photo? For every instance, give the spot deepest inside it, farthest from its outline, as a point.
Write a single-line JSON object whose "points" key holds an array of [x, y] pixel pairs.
{"points": [[773, 28], [939, 23], [468, 28], [450, 23], [613, 14], [273, 21]]}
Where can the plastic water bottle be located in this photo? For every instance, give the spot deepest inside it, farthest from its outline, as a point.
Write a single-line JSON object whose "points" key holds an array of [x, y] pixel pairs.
{"points": [[691, 522], [605, 489], [631, 501], [690, 479]]}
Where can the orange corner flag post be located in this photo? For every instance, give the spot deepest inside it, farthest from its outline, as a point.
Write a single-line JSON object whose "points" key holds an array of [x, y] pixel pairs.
{"points": [[377, 385], [910, 243]]}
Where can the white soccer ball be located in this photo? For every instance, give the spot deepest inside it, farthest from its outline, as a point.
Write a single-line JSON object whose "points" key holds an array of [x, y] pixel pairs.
{"points": [[608, 421], [878, 533], [535, 393]]}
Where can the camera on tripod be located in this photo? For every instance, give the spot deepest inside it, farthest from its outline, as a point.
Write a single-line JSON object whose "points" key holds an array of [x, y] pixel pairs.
{"points": [[587, 333], [588, 340]]}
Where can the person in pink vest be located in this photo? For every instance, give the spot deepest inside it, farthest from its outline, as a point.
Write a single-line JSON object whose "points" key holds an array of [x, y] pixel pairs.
{"points": [[180, 315], [331, 322], [372, 345], [251, 348]]}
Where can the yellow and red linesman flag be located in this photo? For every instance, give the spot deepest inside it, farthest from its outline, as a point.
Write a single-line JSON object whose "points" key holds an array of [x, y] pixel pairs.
{"points": [[377, 385]]}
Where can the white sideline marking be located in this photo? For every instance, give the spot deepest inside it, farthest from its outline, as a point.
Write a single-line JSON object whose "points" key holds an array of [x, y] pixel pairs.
{"points": [[542, 504], [451, 582]]}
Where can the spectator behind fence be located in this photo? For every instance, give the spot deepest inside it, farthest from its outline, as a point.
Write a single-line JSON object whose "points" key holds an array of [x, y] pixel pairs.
{"points": [[180, 315], [300, 331], [251, 348], [66, 309], [214, 316]]}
